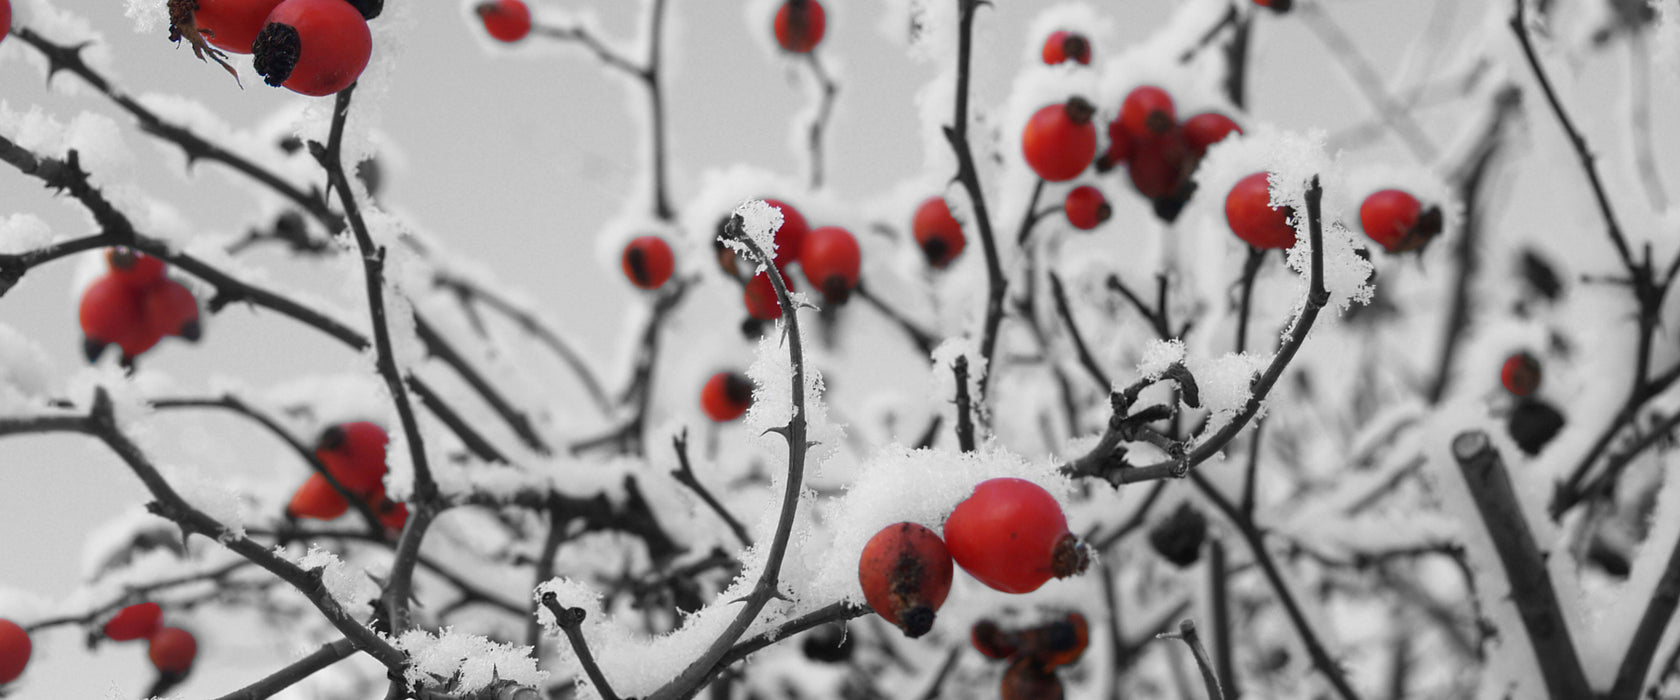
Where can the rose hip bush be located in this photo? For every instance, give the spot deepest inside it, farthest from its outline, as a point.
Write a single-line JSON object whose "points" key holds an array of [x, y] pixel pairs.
{"points": [[1221, 321]]}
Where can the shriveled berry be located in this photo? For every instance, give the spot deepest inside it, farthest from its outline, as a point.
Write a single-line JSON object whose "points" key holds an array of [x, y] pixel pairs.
{"points": [[1086, 207], [1062, 46], [1161, 167], [354, 453], [648, 262], [1011, 535], [316, 499], [1060, 141], [1249, 211], [137, 621], [905, 572], [505, 20], [799, 25], [15, 649], [1532, 424], [313, 47], [832, 261], [992, 641], [173, 649], [938, 233], [1059, 642], [1025, 680], [1179, 537], [726, 396], [1520, 374]]}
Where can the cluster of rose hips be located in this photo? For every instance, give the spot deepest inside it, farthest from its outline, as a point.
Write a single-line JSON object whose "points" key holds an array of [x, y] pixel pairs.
{"points": [[1532, 422], [1159, 151], [1010, 534], [311, 47], [134, 305], [1033, 653], [354, 454], [828, 256], [171, 649]]}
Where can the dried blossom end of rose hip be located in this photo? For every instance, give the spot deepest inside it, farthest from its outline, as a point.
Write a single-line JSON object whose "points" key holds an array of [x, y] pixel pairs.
{"points": [[276, 53], [1079, 110], [1069, 557]]}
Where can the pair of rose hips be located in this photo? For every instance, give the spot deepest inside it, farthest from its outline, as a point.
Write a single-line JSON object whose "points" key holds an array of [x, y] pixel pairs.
{"points": [[940, 235], [171, 649], [799, 25], [1034, 654], [1059, 142], [1393, 218], [134, 305], [828, 255], [354, 454], [311, 47], [1010, 534]]}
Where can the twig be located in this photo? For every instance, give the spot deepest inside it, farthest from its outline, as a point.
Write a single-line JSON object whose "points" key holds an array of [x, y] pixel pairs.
{"points": [[1187, 634], [923, 339], [825, 107], [516, 419], [329, 654], [396, 596], [1368, 81], [795, 432], [1223, 632], [965, 417], [570, 621], [100, 422], [529, 323], [957, 134], [1317, 297], [1642, 646], [133, 593], [1085, 358], [1148, 312], [945, 668], [1525, 566], [685, 473]]}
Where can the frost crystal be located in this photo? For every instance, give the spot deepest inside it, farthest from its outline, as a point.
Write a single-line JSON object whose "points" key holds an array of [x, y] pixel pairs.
{"points": [[1158, 356], [761, 221], [349, 588], [466, 663]]}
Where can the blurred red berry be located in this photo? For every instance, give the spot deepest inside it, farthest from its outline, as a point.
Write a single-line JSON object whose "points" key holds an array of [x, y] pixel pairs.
{"points": [[505, 20], [1161, 167], [1086, 207], [991, 641], [1148, 112], [1206, 129], [799, 25], [137, 621], [760, 298], [1061, 47], [1398, 221], [171, 309], [392, 514], [1011, 535], [313, 47], [133, 267], [1520, 374], [726, 396], [648, 262], [316, 499], [15, 648], [1059, 141], [791, 236], [938, 233], [113, 312], [173, 649], [832, 261], [5, 18], [354, 453], [1249, 211], [1119, 147], [1278, 6], [905, 572]]}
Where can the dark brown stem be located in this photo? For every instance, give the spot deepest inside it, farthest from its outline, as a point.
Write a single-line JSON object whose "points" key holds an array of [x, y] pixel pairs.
{"points": [[819, 123], [1187, 634], [1224, 636], [535, 327], [570, 621], [957, 134], [965, 407], [1525, 566], [1085, 358], [517, 420], [329, 654], [685, 473]]}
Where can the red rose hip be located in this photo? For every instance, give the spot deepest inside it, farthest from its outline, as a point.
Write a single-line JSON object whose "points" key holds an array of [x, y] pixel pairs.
{"points": [[760, 298], [937, 233], [1011, 535], [229, 25], [832, 261], [171, 309], [648, 262], [313, 47], [173, 649], [726, 396], [316, 499], [137, 621], [790, 238], [113, 312], [354, 453], [1520, 374], [1086, 207], [15, 648], [1060, 141], [799, 25], [505, 20], [1147, 112], [1206, 129], [905, 572], [1398, 221], [1061, 47], [1249, 211]]}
